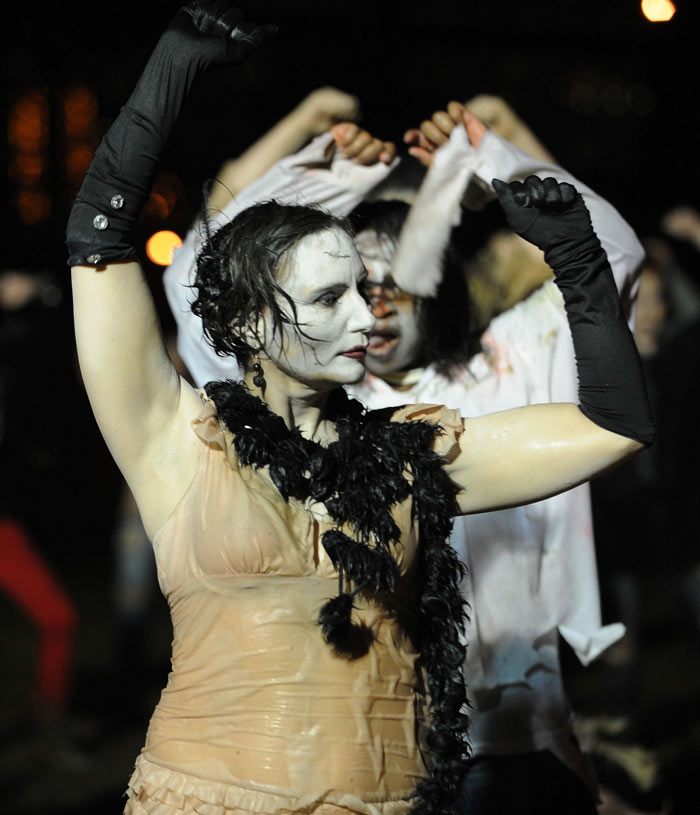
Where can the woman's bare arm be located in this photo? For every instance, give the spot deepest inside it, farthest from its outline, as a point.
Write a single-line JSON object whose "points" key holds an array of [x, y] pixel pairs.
{"points": [[141, 405], [144, 410], [519, 456]]}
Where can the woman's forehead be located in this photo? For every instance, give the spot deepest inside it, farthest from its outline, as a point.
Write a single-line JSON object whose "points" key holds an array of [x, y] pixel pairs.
{"points": [[318, 257]]}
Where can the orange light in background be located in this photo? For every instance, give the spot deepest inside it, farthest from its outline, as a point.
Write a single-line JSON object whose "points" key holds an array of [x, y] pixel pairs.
{"points": [[156, 207], [77, 160], [78, 133], [28, 122], [80, 112], [161, 245], [28, 160], [28, 168], [658, 11], [164, 196], [33, 206]]}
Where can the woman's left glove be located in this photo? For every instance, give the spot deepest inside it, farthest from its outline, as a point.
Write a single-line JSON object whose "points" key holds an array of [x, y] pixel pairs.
{"points": [[554, 217], [202, 35]]}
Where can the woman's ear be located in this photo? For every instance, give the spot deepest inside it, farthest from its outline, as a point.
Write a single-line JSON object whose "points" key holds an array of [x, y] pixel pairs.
{"points": [[255, 335]]}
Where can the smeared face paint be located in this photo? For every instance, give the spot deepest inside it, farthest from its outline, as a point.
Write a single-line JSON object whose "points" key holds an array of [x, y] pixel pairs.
{"points": [[325, 343], [394, 342]]}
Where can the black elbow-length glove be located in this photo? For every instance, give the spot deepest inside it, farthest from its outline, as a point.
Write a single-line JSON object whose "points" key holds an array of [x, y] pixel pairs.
{"points": [[554, 217], [117, 183]]}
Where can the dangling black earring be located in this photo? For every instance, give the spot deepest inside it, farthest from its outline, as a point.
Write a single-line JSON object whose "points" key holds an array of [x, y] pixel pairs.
{"points": [[258, 379]]}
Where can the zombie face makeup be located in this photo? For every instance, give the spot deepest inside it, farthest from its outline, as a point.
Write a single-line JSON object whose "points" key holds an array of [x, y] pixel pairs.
{"points": [[394, 342], [325, 343]]}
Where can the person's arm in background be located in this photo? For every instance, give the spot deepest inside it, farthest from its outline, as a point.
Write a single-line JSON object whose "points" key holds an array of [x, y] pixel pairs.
{"points": [[463, 155], [683, 223], [336, 171], [314, 115], [500, 117]]}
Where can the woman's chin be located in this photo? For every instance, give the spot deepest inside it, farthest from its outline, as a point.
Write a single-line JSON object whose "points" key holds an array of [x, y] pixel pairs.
{"points": [[350, 373], [334, 375]]}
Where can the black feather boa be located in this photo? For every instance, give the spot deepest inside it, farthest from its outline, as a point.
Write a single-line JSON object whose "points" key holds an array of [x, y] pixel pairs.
{"points": [[359, 478]]}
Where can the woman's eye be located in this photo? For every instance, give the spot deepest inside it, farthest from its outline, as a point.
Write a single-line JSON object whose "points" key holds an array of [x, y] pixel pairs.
{"points": [[328, 299]]}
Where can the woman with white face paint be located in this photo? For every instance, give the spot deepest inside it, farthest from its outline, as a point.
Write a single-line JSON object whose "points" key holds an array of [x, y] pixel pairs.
{"points": [[301, 541]]}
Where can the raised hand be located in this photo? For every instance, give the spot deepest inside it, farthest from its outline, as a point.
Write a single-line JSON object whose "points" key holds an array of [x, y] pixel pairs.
{"points": [[359, 145], [544, 212], [435, 132], [205, 33], [212, 32]]}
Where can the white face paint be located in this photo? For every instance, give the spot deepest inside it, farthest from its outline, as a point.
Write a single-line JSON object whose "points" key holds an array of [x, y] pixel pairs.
{"points": [[394, 342], [324, 276]]}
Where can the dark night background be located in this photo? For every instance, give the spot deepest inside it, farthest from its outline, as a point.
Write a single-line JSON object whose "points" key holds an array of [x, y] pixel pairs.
{"points": [[560, 63], [611, 95]]}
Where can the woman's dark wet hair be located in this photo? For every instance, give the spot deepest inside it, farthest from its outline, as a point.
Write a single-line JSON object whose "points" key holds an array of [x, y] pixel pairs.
{"points": [[237, 270], [449, 338]]}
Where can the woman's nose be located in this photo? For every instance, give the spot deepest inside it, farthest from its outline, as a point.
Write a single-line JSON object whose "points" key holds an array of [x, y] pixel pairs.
{"points": [[363, 316]]}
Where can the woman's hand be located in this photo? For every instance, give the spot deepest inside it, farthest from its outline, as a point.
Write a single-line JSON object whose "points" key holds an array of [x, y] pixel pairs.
{"points": [[212, 32], [544, 212], [435, 132], [357, 144]]}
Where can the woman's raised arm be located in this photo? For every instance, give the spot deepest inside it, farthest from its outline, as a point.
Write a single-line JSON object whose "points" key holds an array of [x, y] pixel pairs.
{"points": [[142, 407], [523, 455]]}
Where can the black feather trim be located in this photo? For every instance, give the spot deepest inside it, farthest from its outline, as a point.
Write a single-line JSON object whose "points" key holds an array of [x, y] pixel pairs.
{"points": [[334, 618], [360, 477], [367, 567]]}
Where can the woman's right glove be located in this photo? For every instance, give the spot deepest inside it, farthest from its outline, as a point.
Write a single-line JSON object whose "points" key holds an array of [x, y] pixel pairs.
{"points": [[553, 216], [203, 34]]}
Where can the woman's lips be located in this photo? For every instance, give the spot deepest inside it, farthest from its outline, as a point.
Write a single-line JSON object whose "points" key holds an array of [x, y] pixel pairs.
{"points": [[356, 353]]}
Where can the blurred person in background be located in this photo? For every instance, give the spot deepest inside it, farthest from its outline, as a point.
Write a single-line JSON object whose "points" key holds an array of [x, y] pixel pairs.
{"points": [[28, 300], [647, 525]]}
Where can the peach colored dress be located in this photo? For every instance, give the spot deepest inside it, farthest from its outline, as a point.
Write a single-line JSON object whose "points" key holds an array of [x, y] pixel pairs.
{"points": [[259, 715]]}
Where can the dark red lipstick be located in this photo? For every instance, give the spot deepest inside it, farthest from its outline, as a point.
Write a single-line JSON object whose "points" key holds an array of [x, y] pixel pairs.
{"points": [[358, 352]]}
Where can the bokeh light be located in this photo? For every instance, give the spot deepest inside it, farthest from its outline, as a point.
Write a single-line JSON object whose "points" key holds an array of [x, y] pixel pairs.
{"points": [[658, 11], [161, 245]]}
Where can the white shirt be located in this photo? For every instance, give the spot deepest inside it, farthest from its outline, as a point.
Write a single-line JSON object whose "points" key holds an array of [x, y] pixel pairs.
{"points": [[531, 570]]}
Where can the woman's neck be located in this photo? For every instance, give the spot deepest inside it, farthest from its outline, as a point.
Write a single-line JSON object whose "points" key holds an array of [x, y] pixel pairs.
{"points": [[298, 404]]}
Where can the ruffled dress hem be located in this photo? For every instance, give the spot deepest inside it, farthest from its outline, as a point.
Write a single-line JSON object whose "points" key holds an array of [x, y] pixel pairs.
{"points": [[157, 790]]}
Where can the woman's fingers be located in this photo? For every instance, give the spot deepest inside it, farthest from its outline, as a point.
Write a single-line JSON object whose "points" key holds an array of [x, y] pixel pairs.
{"points": [[455, 110], [360, 146], [433, 133]]}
